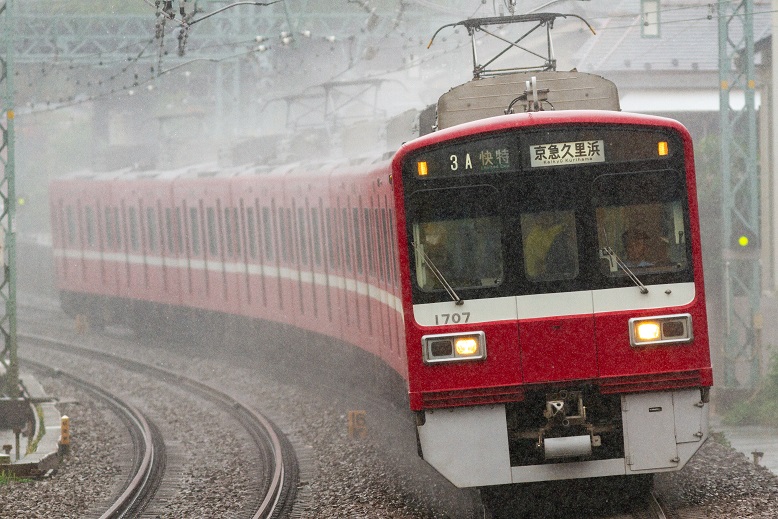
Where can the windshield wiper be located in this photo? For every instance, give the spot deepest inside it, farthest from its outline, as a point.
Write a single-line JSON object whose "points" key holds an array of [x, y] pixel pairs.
{"points": [[438, 275], [612, 253]]}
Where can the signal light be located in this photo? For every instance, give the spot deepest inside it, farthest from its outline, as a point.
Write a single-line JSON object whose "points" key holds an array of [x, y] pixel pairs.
{"points": [[662, 148]]}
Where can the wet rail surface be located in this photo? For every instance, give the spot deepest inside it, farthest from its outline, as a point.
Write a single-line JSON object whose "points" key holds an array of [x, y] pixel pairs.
{"points": [[149, 454], [277, 488]]}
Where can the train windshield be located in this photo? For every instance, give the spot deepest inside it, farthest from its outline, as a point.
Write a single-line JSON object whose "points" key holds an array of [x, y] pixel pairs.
{"points": [[550, 226]]}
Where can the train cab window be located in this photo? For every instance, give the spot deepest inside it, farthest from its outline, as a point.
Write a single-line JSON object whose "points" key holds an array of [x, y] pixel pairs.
{"points": [[251, 229], [134, 237], [549, 244], [71, 218], [151, 225], [457, 238], [213, 248], [641, 224], [90, 227]]}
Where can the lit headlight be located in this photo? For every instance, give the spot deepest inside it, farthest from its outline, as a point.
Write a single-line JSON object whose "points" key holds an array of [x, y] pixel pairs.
{"points": [[664, 329], [453, 347]]}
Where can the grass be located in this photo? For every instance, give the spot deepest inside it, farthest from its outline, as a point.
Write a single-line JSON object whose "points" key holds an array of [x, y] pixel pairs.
{"points": [[7, 478], [762, 407]]}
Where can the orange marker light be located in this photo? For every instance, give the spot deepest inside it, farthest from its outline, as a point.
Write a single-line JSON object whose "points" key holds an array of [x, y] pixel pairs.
{"points": [[422, 168], [663, 148]]}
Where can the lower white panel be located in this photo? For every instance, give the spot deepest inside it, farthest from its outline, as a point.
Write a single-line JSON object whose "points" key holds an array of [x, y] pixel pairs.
{"points": [[468, 445], [573, 470]]}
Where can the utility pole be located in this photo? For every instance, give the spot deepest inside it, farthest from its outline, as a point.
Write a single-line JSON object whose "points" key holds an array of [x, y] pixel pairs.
{"points": [[740, 196], [8, 210]]}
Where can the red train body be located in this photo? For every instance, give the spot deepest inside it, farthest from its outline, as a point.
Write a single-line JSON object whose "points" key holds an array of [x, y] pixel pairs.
{"points": [[489, 264]]}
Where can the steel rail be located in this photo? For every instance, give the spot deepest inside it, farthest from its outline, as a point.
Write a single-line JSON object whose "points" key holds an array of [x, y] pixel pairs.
{"points": [[279, 492], [147, 442]]}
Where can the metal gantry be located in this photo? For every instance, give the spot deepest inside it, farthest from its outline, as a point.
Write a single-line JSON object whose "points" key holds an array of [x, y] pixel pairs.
{"points": [[7, 212], [740, 196]]}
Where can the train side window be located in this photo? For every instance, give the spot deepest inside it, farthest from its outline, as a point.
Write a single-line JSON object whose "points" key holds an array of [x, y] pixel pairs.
{"points": [[210, 215], [282, 229], [169, 230], [268, 234], [393, 242], [316, 234], [332, 249], [117, 226], [236, 224], [179, 231], [251, 229], [302, 235], [194, 226], [90, 226], [369, 239], [151, 225], [347, 240], [379, 238], [386, 238], [108, 228], [357, 239], [228, 237], [71, 224], [134, 237]]}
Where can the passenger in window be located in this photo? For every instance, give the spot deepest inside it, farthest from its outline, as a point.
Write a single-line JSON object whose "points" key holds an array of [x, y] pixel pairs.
{"points": [[549, 246], [637, 249]]}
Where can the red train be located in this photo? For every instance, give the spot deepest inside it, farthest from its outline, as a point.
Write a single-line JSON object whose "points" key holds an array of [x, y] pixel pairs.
{"points": [[535, 278]]}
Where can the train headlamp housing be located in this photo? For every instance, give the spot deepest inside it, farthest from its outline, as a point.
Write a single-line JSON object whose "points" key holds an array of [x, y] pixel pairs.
{"points": [[453, 347], [665, 329]]}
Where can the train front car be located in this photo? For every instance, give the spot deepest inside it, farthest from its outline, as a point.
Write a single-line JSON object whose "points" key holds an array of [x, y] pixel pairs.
{"points": [[553, 297]]}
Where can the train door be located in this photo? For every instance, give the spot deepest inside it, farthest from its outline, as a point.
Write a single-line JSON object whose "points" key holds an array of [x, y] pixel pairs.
{"points": [[335, 259], [556, 334], [250, 276], [170, 248], [132, 278], [215, 199]]}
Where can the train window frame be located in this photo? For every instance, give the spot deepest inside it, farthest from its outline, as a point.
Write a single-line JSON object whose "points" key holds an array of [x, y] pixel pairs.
{"points": [[151, 228], [619, 218], [132, 217], [90, 225], [251, 230], [210, 227], [194, 227], [429, 223], [302, 235], [316, 235], [108, 229], [72, 227]]}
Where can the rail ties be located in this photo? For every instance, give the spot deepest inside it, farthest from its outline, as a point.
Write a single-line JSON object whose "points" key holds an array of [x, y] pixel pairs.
{"points": [[148, 450], [278, 490]]}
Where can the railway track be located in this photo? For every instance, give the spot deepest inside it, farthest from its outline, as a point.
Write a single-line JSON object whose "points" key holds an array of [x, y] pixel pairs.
{"points": [[276, 490], [149, 452]]}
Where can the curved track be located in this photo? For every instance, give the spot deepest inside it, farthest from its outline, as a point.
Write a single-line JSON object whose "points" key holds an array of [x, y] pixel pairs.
{"points": [[148, 449], [277, 489]]}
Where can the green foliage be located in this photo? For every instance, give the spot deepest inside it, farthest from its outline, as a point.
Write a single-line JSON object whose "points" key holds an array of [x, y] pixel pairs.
{"points": [[7, 478], [762, 407]]}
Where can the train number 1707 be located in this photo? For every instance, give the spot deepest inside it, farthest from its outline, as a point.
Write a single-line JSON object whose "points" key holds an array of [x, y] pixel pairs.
{"points": [[455, 318]]}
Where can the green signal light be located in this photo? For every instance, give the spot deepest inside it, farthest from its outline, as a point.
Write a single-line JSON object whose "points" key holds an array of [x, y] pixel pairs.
{"points": [[743, 241]]}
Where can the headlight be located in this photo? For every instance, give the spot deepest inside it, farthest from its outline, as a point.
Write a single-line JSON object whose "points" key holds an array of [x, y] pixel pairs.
{"points": [[666, 329], [453, 347]]}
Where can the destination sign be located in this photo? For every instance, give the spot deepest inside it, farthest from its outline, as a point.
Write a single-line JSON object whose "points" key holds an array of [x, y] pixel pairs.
{"points": [[469, 158], [566, 153]]}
